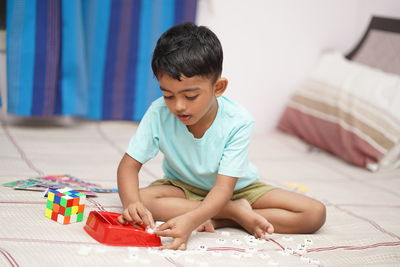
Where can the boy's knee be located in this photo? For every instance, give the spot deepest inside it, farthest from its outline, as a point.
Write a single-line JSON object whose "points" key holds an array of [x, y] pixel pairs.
{"points": [[151, 193], [148, 193]]}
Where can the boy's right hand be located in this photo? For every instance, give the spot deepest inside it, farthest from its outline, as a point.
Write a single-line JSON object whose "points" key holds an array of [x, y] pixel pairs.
{"points": [[137, 213]]}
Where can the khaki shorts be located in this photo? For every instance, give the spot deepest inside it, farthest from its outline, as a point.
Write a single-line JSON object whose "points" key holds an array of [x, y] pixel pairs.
{"points": [[251, 192]]}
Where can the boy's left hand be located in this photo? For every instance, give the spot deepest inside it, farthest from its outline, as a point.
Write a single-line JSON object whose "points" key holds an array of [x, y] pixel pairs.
{"points": [[179, 228]]}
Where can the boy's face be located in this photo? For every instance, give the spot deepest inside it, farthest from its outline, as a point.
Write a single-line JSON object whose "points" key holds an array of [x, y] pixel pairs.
{"points": [[192, 100]]}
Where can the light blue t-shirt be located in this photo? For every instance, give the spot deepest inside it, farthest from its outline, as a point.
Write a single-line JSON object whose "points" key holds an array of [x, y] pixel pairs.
{"points": [[223, 149]]}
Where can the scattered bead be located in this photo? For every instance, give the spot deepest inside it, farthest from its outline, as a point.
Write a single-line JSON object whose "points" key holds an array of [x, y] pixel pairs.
{"points": [[236, 241], [315, 261], [150, 230], [301, 251], [289, 250], [251, 242], [301, 246], [249, 237], [308, 242], [221, 241], [202, 248], [251, 250]]}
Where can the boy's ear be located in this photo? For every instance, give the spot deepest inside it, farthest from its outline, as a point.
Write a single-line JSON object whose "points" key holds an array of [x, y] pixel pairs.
{"points": [[220, 86]]}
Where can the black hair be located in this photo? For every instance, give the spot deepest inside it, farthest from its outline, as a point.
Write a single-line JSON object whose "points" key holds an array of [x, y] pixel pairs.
{"points": [[188, 50]]}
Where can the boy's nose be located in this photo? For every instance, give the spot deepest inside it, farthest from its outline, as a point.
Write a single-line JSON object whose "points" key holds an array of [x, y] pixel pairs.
{"points": [[180, 105]]}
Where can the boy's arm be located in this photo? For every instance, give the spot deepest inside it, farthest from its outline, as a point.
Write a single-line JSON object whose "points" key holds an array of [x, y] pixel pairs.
{"points": [[182, 226], [128, 189], [217, 198]]}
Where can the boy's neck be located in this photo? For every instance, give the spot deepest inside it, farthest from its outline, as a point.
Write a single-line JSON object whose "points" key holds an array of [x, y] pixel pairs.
{"points": [[200, 128]]}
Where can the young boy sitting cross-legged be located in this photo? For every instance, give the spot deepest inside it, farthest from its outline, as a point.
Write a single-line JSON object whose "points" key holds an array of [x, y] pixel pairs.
{"points": [[209, 181]]}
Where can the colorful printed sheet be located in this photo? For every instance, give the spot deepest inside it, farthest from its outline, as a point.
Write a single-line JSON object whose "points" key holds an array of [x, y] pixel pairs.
{"points": [[42, 183]]}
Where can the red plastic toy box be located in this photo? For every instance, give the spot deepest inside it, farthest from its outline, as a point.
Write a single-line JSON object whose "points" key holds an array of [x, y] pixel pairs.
{"points": [[105, 228]]}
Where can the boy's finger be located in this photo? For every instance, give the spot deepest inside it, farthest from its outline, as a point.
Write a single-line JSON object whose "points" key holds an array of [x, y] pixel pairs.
{"points": [[135, 218], [152, 224], [178, 244], [165, 233], [142, 213], [147, 219], [126, 216], [270, 229], [163, 227], [122, 220]]}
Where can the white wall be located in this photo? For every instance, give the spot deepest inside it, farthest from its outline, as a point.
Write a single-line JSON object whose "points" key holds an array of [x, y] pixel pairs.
{"points": [[270, 45]]}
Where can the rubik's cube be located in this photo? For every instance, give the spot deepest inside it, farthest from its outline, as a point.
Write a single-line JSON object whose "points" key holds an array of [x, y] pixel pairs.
{"points": [[65, 206]]}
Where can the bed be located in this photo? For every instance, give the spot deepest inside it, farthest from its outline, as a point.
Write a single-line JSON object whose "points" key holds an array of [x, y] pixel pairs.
{"points": [[363, 205]]}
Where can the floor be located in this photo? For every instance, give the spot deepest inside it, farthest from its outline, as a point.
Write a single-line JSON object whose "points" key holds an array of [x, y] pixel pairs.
{"points": [[363, 208]]}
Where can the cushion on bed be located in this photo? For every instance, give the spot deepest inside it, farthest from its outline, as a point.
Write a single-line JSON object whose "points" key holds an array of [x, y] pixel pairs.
{"points": [[350, 110]]}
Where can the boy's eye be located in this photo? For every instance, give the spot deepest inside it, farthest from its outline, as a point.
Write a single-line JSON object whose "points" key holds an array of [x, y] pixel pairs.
{"points": [[167, 97], [191, 97]]}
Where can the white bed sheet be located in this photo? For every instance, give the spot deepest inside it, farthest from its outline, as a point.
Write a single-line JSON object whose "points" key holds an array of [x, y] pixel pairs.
{"points": [[363, 208]]}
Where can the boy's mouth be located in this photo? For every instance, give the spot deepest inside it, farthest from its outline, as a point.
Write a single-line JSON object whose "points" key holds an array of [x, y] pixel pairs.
{"points": [[183, 117]]}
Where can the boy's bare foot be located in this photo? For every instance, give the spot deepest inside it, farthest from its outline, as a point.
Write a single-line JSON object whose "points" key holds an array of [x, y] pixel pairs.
{"points": [[208, 226], [252, 222], [212, 224], [240, 213]]}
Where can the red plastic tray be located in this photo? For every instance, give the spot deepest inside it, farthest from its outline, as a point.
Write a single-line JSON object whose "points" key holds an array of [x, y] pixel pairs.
{"points": [[105, 228]]}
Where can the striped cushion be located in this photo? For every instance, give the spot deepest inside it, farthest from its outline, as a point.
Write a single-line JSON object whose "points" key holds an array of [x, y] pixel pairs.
{"points": [[350, 110]]}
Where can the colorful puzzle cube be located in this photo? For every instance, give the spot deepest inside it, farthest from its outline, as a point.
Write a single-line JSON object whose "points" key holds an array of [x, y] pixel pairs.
{"points": [[65, 206]]}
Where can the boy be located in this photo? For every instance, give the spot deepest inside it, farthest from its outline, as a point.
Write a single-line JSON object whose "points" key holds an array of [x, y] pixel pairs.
{"points": [[204, 136]]}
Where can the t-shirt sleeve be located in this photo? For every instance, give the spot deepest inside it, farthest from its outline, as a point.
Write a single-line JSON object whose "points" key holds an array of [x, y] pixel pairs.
{"points": [[234, 159], [144, 145]]}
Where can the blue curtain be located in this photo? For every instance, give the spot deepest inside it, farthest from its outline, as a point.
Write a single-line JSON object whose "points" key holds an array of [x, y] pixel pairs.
{"points": [[87, 58]]}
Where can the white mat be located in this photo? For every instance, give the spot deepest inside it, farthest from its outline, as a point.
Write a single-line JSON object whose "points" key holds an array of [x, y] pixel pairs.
{"points": [[363, 208]]}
